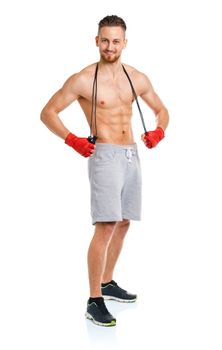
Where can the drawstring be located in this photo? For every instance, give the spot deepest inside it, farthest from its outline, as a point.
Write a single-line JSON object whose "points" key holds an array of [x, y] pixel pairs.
{"points": [[129, 154]]}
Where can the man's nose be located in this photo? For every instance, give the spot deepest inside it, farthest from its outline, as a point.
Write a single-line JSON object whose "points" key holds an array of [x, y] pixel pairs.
{"points": [[110, 46]]}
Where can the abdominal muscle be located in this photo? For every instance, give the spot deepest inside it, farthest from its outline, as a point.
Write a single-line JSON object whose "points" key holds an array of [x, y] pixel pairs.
{"points": [[114, 129], [113, 124]]}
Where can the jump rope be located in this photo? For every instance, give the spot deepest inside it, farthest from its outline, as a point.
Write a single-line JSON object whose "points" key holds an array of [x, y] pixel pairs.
{"points": [[92, 138]]}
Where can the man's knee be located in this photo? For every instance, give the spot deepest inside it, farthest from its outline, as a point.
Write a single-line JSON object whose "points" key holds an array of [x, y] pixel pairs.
{"points": [[106, 228], [124, 223], [122, 228]]}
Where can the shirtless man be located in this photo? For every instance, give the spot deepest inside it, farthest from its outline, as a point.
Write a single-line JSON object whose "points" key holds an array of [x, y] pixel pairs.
{"points": [[114, 166]]}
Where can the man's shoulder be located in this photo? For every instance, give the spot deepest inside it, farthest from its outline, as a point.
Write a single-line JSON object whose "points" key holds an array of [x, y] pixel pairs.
{"points": [[87, 72], [133, 71], [83, 77]]}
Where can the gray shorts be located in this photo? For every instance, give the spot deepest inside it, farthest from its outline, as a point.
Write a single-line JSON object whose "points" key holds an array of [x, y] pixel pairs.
{"points": [[115, 183]]}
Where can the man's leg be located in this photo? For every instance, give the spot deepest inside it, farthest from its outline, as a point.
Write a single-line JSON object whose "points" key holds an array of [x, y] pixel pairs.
{"points": [[114, 249], [97, 255], [110, 289], [96, 308]]}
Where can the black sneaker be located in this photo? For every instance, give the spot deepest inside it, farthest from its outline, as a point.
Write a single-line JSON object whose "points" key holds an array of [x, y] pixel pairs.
{"points": [[112, 291], [98, 313]]}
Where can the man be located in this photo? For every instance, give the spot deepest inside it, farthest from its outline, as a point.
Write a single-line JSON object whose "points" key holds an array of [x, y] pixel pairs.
{"points": [[105, 94]]}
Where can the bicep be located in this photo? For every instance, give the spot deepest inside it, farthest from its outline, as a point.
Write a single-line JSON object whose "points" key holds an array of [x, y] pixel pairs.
{"points": [[63, 97], [150, 97]]}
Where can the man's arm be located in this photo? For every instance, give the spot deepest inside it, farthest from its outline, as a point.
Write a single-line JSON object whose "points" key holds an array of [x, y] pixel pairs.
{"points": [[152, 138], [154, 102], [50, 116], [57, 103]]}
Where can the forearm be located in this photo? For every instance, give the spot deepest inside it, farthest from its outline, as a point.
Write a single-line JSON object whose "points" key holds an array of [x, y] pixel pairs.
{"points": [[54, 123], [162, 119]]}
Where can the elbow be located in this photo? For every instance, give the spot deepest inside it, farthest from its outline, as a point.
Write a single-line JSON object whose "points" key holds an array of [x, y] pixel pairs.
{"points": [[167, 118], [163, 118], [43, 115], [166, 112]]}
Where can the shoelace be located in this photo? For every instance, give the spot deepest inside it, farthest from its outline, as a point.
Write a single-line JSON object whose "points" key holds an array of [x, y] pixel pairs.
{"points": [[116, 285]]}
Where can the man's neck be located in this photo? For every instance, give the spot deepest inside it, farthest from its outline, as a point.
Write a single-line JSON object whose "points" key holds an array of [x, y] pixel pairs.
{"points": [[110, 68]]}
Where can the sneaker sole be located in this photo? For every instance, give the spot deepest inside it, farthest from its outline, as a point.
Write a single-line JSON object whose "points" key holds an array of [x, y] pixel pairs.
{"points": [[109, 297], [89, 317]]}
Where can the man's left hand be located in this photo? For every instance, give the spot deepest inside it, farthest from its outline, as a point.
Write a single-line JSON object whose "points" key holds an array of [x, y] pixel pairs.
{"points": [[152, 138]]}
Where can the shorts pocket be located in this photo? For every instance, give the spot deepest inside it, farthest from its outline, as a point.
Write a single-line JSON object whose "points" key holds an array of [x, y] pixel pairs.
{"points": [[102, 158]]}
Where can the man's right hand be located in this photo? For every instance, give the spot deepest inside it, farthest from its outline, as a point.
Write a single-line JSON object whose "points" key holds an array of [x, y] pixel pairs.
{"points": [[80, 145]]}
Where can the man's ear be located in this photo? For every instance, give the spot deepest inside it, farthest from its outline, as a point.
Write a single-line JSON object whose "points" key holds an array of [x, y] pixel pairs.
{"points": [[97, 40], [125, 43]]}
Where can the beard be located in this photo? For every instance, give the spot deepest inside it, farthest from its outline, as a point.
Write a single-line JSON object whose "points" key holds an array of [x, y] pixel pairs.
{"points": [[109, 58]]}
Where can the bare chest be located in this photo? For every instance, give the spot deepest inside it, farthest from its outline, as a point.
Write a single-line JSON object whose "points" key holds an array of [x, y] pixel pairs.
{"points": [[115, 93], [111, 93]]}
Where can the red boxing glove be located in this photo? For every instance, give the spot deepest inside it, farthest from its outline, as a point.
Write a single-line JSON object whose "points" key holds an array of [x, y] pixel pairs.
{"points": [[80, 144], [152, 138]]}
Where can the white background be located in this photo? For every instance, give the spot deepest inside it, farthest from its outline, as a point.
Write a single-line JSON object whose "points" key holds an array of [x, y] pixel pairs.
{"points": [[172, 258]]}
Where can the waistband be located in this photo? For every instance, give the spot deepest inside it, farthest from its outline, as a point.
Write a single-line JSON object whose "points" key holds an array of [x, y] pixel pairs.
{"points": [[114, 147]]}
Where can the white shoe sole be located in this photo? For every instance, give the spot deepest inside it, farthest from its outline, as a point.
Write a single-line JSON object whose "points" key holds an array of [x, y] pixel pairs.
{"points": [[89, 317], [109, 297]]}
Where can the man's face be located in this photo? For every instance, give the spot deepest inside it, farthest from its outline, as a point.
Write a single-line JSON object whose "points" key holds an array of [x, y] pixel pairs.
{"points": [[111, 41]]}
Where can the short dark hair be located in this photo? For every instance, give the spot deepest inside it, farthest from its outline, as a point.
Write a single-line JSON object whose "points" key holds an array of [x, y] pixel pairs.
{"points": [[112, 21]]}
